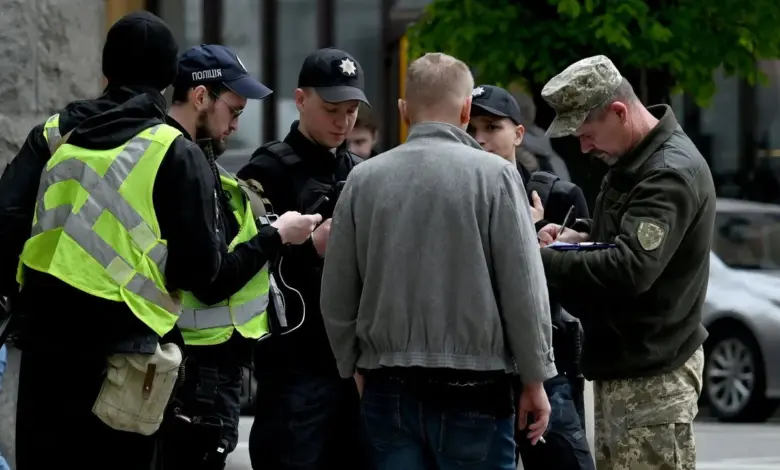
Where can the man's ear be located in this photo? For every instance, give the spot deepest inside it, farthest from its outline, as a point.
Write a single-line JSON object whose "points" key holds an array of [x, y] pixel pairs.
{"points": [[300, 98], [621, 110], [403, 111], [199, 97], [465, 112], [519, 134]]}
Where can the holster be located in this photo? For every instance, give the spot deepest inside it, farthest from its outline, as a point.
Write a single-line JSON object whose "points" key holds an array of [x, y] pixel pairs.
{"points": [[194, 443]]}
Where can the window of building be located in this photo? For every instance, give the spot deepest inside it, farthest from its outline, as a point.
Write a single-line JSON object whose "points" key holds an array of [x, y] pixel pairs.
{"points": [[297, 39], [242, 25]]}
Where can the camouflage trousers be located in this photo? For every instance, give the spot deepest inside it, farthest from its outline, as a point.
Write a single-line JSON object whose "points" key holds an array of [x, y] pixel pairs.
{"points": [[647, 423]]}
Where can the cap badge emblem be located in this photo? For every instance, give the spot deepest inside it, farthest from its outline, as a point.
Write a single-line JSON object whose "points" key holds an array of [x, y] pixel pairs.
{"points": [[477, 91], [347, 67]]}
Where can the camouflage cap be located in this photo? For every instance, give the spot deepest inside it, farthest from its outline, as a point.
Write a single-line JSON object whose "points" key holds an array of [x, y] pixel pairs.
{"points": [[577, 90]]}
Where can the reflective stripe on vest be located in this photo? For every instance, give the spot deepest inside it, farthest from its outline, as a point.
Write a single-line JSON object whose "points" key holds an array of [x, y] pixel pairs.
{"points": [[215, 317], [61, 237], [244, 311], [104, 196], [51, 132]]}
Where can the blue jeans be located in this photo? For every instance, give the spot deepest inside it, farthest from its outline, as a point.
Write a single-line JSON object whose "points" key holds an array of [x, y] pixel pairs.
{"points": [[406, 433], [567, 446]]}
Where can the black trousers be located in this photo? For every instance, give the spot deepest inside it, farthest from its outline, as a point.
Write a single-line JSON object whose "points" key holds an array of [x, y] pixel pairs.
{"points": [[307, 421], [55, 426], [201, 428]]}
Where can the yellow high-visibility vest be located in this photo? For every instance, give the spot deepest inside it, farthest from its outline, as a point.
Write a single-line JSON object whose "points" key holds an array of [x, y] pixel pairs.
{"points": [[95, 226], [244, 311]]}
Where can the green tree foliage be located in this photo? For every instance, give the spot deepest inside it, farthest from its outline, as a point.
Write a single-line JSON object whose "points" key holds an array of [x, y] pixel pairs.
{"points": [[529, 41]]}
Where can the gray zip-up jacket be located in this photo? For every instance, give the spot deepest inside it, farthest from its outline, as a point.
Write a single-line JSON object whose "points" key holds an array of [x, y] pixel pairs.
{"points": [[433, 261]]}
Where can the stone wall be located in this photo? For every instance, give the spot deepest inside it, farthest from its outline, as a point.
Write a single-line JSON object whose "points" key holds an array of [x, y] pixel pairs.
{"points": [[50, 54]]}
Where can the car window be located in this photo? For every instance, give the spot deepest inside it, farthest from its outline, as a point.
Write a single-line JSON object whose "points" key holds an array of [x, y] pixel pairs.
{"points": [[748, 240]]}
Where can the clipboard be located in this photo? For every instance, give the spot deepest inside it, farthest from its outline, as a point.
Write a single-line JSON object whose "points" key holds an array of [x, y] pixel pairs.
{"points": [[584, 246]]}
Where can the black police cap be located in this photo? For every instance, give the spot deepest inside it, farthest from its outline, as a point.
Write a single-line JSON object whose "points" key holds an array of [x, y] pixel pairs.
{"points": [[335, 75], [497, 102]]}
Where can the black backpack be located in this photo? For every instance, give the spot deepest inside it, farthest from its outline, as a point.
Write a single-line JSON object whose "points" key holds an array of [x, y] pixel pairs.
{"points": [[557, 196]]}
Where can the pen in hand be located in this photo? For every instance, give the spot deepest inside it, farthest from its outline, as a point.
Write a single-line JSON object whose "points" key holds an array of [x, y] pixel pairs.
{"points": [[565, 221]]}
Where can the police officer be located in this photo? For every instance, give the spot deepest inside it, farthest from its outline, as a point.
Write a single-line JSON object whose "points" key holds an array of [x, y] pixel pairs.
{"points": [[639, 300], [110, 242], [495, 124], [307, 416], [222, 319]]}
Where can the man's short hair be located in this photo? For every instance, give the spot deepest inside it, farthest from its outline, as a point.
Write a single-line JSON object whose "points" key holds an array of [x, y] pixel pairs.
{"points": [[623, 93], [214, 89], [366, 119], [437, 80]]}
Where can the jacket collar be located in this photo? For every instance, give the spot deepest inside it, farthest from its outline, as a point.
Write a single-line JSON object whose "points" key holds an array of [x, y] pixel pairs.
{"points": [[316, 157], [441, 131], [636, 157]]}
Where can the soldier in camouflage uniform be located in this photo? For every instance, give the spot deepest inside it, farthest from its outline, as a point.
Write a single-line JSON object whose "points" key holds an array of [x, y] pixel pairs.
{"points": [[640, 299]]}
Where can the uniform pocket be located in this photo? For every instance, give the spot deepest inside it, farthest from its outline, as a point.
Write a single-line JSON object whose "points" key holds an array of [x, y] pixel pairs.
{"points": [[137, 389], [660, 432]]}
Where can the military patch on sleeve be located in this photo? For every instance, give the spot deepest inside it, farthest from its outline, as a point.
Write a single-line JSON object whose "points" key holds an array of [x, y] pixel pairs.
{"points": [[650, 234]]}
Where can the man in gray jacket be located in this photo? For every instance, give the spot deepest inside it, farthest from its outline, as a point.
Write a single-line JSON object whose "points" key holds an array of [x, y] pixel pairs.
{"points": [[433, 292]]}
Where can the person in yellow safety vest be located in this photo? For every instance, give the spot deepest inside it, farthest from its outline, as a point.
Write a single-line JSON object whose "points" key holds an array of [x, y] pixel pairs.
{"points": [[112, 213], [221, 322]]}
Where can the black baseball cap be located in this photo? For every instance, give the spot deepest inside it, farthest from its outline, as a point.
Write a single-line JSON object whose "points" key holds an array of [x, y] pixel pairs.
{"points": [[335, 75], [496, 101], [213, 63]]}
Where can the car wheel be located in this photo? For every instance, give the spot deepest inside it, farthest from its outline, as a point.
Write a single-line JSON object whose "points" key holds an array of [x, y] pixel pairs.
{"points": [[734, 380]]}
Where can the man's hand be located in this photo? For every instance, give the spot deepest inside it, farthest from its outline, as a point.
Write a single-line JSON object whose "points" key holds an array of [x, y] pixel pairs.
{"points": [[320, 237], [537, 208], [534, 400], [360, 381], [295, 228], [549, 234]]}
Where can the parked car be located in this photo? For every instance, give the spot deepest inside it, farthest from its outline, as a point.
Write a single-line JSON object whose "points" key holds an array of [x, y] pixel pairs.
{"points": [[742, 312]]}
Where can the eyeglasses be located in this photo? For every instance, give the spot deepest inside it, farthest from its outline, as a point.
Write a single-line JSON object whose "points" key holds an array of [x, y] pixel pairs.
{"points": [[235, 112]]}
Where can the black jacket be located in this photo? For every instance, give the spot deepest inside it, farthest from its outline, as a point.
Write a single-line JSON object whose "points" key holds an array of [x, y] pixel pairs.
{"points": [[295, 189], [54, 314], [640, 303], [239, 266]]}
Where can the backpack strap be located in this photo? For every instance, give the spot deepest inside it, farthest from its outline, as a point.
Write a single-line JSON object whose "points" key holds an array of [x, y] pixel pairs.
{"points": [[257, 201], [283, 152], [542, 182]]}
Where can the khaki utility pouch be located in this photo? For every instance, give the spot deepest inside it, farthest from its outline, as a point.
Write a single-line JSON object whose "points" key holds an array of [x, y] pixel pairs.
{"points": [[137, 389]]}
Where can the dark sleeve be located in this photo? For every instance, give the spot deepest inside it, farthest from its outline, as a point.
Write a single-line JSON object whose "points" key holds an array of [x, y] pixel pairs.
{"points": [[659, 211], [277, 187], [184, 199], [240, 266], [579, 202], [18, 192]]}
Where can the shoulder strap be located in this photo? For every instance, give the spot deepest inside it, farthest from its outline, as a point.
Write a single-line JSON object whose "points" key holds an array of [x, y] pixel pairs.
{"points": [[257, 201], [542, 182], [283, 152]]}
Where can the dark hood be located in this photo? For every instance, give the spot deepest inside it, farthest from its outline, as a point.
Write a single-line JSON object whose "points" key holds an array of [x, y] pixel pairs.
{"points": [[113, 118]]}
